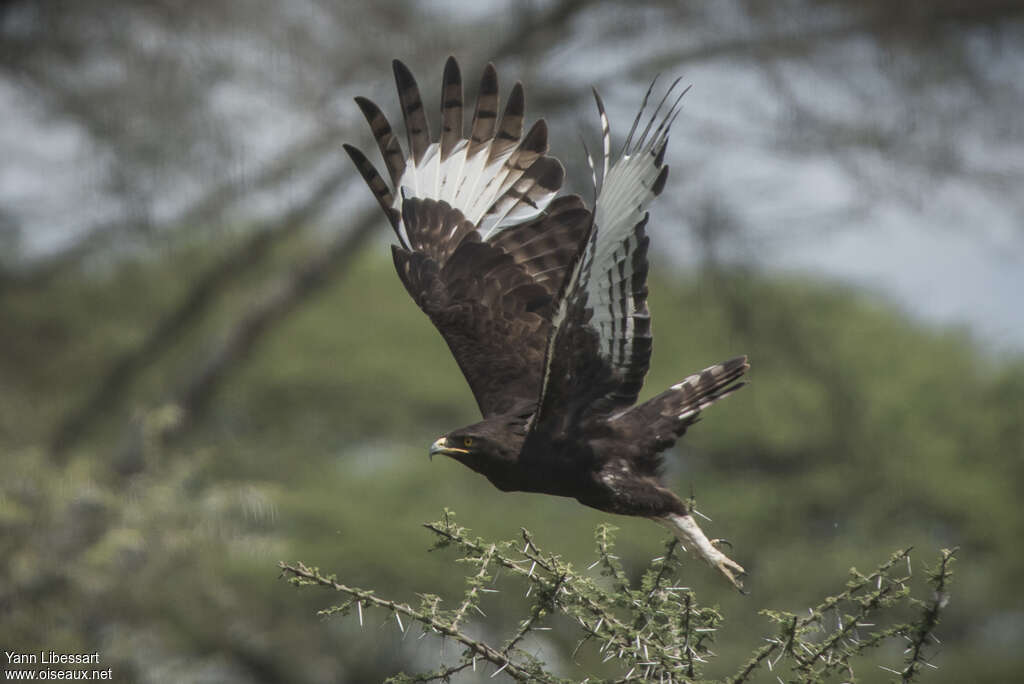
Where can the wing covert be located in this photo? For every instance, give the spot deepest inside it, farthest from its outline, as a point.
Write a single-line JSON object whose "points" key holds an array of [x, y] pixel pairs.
{"points": [[484, 305]]}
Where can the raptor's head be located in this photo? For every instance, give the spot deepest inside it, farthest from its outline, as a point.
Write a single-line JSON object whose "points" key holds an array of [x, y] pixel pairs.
{"points": [[482, 446]]}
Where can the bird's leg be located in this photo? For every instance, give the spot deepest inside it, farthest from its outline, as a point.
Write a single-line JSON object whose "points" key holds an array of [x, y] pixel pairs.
{"points": [[687, 531]]}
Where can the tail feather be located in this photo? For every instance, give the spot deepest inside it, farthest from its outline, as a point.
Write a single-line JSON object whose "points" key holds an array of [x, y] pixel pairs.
{"points": [[667, 416], [687, 398]]}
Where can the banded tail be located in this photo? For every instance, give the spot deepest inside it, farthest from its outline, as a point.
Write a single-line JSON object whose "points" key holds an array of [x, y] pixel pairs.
{"points": [[688, 397], [668, 415]]}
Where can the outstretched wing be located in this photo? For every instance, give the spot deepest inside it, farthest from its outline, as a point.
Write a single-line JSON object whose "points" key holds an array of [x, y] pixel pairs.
{"points": [[600, 344], [483, 249]]}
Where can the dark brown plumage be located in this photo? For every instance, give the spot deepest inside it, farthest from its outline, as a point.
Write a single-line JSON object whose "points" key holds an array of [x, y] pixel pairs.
{"points": [[542, 301]]}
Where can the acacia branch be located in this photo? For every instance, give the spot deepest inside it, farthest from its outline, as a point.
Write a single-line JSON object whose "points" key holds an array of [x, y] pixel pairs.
{"points": [[939, 580], [533, 555], [664, 638], [312, 576], [472, 594]]}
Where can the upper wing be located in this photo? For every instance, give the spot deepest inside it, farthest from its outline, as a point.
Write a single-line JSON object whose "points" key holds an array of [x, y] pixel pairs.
{"points": [[483, 249], [600, 343]]}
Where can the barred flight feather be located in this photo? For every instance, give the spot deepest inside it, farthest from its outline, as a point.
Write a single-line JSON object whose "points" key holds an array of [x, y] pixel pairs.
{"points": [[608, 286], [496, 178], [486, 113], [387, 142], [416, 126], [451, 108], [616, 282], [380, 189]]}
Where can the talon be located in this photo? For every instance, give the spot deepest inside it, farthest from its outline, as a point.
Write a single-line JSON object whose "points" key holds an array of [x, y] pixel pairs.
{"points": [[685, 529], [718, 542], [732, 571]]}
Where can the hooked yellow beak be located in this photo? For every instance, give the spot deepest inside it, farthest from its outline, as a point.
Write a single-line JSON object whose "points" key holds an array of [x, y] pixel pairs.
{"points": [[441, 447]]}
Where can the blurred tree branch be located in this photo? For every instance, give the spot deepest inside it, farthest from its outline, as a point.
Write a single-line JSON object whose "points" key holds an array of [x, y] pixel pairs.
{"points": [[279, 299], [192, 305], [202, 213], [879, 19]]}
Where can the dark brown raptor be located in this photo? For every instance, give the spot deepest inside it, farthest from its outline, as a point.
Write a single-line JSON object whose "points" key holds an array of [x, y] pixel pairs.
{"points": [[542, 300]]}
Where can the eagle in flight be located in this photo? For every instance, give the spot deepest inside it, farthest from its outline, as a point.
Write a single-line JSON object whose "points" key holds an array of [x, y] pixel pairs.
{"points": [[543, 300]]}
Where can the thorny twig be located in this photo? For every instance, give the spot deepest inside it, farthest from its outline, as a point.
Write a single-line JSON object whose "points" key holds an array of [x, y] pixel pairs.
{"points": [[654, 630]]}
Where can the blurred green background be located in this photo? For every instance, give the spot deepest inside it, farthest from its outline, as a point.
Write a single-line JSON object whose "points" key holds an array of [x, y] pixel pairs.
{"points": [[208, 365]]}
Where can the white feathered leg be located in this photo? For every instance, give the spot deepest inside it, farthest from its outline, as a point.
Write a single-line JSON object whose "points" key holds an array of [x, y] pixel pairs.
{"points": [[686, 530]]}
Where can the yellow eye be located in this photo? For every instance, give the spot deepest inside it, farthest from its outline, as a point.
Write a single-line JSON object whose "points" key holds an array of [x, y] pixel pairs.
{"points": [[467, 441]]}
